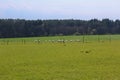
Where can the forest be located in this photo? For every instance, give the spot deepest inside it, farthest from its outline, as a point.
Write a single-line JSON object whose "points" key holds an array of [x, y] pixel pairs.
{"points": [[11, 28]]}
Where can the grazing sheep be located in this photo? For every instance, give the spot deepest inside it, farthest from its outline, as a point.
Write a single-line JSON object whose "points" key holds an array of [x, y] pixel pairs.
{"points": [[39, 41], [71, 40], [49, 40], [35, 40], [77, 40], [66, 40], [61, 41], [52, 41]]}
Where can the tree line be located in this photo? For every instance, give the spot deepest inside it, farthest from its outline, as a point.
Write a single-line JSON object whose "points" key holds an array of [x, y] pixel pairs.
{"points": [[33, 28]]}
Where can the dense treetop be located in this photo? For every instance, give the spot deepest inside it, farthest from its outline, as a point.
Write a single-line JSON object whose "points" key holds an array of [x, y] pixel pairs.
{"points": [[30, 28]]}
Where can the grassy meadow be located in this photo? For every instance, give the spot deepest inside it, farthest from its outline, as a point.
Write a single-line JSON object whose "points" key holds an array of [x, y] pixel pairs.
{"points": [[90, 58]]}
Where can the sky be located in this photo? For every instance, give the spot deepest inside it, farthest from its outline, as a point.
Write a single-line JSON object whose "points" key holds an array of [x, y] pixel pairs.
{"points": [[60, 9]]}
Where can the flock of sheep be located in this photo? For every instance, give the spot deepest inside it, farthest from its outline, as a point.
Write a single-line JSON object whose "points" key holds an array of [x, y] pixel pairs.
{"points": [[59, 41]]}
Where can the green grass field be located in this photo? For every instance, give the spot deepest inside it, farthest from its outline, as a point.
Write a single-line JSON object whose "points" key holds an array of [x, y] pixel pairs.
{"points": [[98, 58]]}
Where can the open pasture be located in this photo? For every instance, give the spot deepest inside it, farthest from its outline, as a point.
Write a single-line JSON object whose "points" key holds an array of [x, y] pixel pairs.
{"points": [[90, 58]]}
